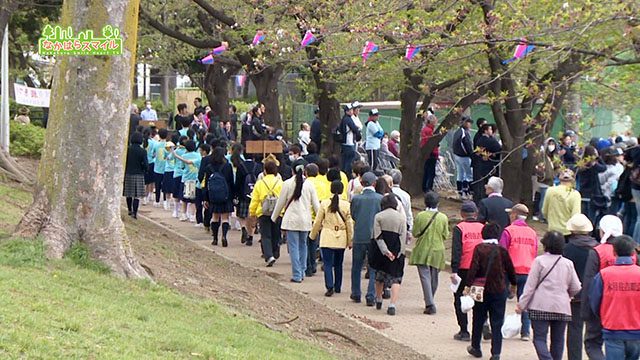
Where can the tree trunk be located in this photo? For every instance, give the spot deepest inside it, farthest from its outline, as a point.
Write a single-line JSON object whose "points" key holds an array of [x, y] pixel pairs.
{"points": [[329, 116], [266, 83], [216, 88], [412, 164], [79, 183]]}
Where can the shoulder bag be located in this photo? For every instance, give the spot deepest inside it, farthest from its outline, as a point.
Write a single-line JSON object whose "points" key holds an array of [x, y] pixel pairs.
{"points": [[477, 287], [426, 227]]}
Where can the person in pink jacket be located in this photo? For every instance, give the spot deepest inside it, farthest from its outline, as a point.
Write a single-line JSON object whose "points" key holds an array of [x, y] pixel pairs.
{"points": [[551, 284]]}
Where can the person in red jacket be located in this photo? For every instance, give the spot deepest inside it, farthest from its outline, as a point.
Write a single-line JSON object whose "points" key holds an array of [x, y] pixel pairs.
{"points": [[521, 241], [432, 159], [615, 296], [466, 235]]}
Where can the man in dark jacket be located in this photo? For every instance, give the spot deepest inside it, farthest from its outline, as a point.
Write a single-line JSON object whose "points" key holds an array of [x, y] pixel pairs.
{"points": [[493, 208], [462, 150], [577, 250], [316, 130], [488, 158], [350, 136]]}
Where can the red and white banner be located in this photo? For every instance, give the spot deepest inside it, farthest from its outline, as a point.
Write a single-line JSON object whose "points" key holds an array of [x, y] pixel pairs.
{"points": [[32, 96]]}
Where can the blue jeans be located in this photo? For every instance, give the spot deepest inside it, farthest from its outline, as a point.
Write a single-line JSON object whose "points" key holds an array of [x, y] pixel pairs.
{"points": [[463, 168], [636, 229], [332, 259], [359, 254], [540, 330], [348, 155], [526, 323], [297, 245], [622, 349]]}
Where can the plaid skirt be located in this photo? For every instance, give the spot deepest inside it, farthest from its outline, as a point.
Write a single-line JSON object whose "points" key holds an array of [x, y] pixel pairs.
{"points": [[133, 185], [548, 316], [242, 208]]}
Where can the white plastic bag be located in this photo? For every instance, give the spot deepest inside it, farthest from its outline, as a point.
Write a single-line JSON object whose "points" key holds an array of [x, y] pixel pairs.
{"points": [[466, 303], [454, 286], [511, 326]]}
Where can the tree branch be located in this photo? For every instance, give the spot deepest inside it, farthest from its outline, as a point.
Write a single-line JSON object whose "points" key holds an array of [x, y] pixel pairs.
{"points": [[200, 44], [219, 15]]}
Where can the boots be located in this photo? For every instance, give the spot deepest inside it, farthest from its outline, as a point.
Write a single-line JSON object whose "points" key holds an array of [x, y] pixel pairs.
{"points": [[459, 188], [225, 230], [243, 237], [214, 229], [465, 190]]}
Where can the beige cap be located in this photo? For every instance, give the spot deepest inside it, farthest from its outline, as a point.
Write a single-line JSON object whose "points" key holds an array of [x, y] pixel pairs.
{"points": [[579, 223], [519, 208], [567, 175]]}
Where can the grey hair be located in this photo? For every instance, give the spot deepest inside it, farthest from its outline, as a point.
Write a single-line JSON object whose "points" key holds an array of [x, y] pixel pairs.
{"points": [[396, 175], [394, 134], [134, 108], [522, 217], [431, 119]]}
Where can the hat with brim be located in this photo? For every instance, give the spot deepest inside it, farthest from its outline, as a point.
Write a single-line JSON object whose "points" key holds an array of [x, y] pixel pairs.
{"points": [[23, 111], [521, 209], [271, 157], [579, 223], [368, 179], [374, 112], [356, 105], [347, 107]]}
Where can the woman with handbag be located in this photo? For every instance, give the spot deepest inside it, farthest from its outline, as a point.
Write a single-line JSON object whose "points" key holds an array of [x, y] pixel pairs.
{"points": [[486, 284], [547, 296], [430, 229], [334, 219]]}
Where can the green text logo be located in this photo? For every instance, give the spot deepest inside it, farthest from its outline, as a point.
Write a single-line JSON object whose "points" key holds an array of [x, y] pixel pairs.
{"points": [[56, 41]]}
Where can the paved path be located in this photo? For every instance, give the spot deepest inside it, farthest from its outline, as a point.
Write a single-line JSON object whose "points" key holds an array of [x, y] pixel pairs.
{"points": [[428, 334]]}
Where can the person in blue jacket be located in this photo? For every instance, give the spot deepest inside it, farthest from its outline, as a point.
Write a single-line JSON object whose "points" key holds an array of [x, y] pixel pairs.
{"points": [[374, 134]]}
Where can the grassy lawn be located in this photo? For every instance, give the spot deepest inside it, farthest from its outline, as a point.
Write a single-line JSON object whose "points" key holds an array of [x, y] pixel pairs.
{"points": [[72, 309]]}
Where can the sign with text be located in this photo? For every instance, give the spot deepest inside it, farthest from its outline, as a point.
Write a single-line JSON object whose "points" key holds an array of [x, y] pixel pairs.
{"points": [[58, 41], [31, 96]]}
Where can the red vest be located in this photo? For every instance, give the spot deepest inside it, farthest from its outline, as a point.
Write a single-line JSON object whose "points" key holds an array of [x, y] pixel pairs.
{"points": [[471, 236], [522, 248], [620, 297], [607, 256]]}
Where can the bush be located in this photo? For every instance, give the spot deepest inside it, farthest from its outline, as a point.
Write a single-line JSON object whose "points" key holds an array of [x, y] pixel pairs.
{"points": [[26, 140]]}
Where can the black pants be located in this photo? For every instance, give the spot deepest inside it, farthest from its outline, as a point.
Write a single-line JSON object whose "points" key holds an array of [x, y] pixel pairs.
{"points": [[374, 159], [593, 340], [574, 333], [541, 328], [463, 320], [157, 179], [270, 237], [199, 207], [493, 306], [429, 174]]}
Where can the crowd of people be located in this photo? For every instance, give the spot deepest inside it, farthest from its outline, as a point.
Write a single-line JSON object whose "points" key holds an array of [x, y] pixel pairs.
{"points": [[584, 282]]}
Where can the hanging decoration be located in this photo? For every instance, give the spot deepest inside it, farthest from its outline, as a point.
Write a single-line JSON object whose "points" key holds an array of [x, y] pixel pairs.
{"points": [[308, 39], [411, 52], [258, 38], [521, 51], [369, 48], [208, 60]]}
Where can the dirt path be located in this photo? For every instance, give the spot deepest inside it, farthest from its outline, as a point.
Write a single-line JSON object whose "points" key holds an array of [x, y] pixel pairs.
{"points": [[195, 268]]}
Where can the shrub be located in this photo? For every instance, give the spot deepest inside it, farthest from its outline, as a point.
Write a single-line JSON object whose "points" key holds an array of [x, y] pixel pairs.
{"points": [[26, 140]]}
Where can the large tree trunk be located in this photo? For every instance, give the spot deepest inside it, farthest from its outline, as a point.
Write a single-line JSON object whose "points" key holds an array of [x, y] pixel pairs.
{"points": [[266, 83], [412, 163], [329, 116], [79, 184], [216, 88]]}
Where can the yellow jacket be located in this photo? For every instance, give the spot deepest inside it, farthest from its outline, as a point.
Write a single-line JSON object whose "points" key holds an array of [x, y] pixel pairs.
{"points": [[336, 233], [322, 186], [343, 179], [265, 186]]}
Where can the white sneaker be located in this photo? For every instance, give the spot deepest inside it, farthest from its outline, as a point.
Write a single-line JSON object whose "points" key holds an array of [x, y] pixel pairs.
{"points": [[192, 219], [183, 217], [156, 204], [145, 201], [175, 213], [165, 205], [535, 218], [198, 225]]}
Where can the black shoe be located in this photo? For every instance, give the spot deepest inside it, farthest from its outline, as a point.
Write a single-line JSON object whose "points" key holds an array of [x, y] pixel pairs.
{"points": [[135, 216], [130, 213], [224, 242], [329, 293], [249, 242], [391, 311], [378, 305], [486, 332], [430, 310], [215, 241], [276, 253], [474, 352], [386, 294], [337, 291], [295, 281], [271, 261], [244, 236], [462, 336], [370, 302], [494, 357], [355, 299]]}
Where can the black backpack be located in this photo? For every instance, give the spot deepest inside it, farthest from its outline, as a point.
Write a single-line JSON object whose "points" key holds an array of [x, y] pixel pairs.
{"points": [[623, 190], [217, 187], [249, 180], [338, 134]]}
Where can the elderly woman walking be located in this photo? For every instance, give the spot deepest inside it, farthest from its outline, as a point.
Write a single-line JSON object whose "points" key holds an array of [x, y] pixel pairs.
{"points": [[430, 229], [547, 296], [387, 250]]}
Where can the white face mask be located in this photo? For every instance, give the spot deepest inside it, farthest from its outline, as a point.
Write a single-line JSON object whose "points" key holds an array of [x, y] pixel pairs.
{"points": [[149, 106], [292, 158], [551, 148]]}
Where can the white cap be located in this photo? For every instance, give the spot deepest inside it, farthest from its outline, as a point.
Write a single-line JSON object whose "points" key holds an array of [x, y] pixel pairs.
{"points": [[611, 226]]}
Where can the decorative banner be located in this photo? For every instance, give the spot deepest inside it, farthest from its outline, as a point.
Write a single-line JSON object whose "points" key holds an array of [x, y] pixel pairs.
{"points": [[258, 38], [411, 52], [521, 51], [220, 49], [31, 96], [58, 41], [240, 80], [207, 60], [369, 48], [308, 38]]}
